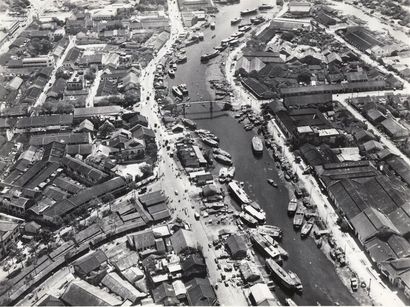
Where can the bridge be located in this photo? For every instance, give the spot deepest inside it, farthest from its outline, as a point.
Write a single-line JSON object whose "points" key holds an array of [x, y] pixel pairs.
{"points": [[211, 103]]}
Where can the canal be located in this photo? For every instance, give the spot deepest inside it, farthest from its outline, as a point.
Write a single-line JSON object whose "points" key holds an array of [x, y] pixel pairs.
{"points": [[320, 280]]}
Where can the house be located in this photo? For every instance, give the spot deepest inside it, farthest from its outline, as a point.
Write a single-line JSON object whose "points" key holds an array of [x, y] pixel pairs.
{"points": [[83, 172], [370, 147], [91, 267], [183, 240], [122, 287], [260, 295], [165, 295], [14, 84], [193, 266], [237, 247], [81, 293], [9, 233], [143, 133], [249, 271], [370, 223], [375, 116], [200, 292], [32, 228], [394, 129], [142, 241]]}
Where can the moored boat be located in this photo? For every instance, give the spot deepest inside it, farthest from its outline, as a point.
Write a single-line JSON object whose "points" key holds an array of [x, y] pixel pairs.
{"points": [[220, 151], [208, 56], [238, 193], [257, 145], [292, 206], [265, 247], [257, 20], [189, 123], [306, 228], [236, 20], [176, 91], [281, 275], [270, 230], [265, 7], [298, 219], [259, 215], [183, 88], [181, 59], [223, 159], [249, 12], [272, 183], [290, 302], [248, 219], [209, 142]]}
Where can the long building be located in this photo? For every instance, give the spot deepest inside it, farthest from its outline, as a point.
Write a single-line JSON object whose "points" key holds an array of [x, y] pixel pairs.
{"points": [[364, 86]]}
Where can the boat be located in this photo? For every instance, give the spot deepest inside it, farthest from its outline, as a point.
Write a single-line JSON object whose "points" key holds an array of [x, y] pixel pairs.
{"points": [[248, 219], [264, 246], [292, 206], [256, 213], [181, 59], [171, 73], [257, 20], [189, 123], [221, 47], [244, 28], [225, 41], [298, 282], [272, 183], [238, 34], [290, 302], [231, 171], [209, 142], [298, 219], [223, 159], [212, 25], [183, 88], [248, 127], [265, 7], [257, 144], [238, 193], [207, 56], [219, 151], [249, 12], [287, 279], [176, 91], [233, 42], [306, 228], [283, 253], [236, 20], [274, 231]]}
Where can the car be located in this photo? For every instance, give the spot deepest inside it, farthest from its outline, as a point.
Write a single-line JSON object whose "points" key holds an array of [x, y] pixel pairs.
{"points": [[354, 283], [176, 192], [226, 284], [218, 266]]}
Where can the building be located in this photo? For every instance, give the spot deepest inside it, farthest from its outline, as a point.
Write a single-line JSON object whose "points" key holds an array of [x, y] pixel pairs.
{"points": [[299, 8], [142, 241], [193, 266], [394, 129], [194, 5], [83, 172], [43, 61], [260, 295], [237, 247], [81, 293], [90, 266], [183, 240], [9, 233], [165, 295], [200, 292]]}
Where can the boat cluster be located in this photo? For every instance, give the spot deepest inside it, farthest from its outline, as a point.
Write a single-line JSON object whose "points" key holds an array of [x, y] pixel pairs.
{"points": [[249, 118], [180, 90], [208, 138]]}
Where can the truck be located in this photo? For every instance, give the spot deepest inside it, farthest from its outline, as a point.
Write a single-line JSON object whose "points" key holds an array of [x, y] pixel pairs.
{"points": [[196, 215]]}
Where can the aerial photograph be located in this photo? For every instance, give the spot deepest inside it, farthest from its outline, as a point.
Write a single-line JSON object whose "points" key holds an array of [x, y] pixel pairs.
{"points": [[205, 153]]}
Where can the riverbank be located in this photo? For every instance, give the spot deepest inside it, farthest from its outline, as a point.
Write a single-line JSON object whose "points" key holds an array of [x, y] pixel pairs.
{"points": [[357, 260]]}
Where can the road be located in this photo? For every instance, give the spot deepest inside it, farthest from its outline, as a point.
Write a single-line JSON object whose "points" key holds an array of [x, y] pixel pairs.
{"points": [[58, 64]]}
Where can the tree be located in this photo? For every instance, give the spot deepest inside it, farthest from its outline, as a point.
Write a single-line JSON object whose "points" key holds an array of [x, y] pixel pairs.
{"points": [[146, 170]]}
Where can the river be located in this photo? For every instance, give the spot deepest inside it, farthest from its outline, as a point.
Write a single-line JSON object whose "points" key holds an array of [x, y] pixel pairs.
{"points": [[320, 280]]}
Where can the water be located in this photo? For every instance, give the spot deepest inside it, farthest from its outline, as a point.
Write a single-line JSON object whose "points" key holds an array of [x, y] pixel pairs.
{"points": [[320, 281]]}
